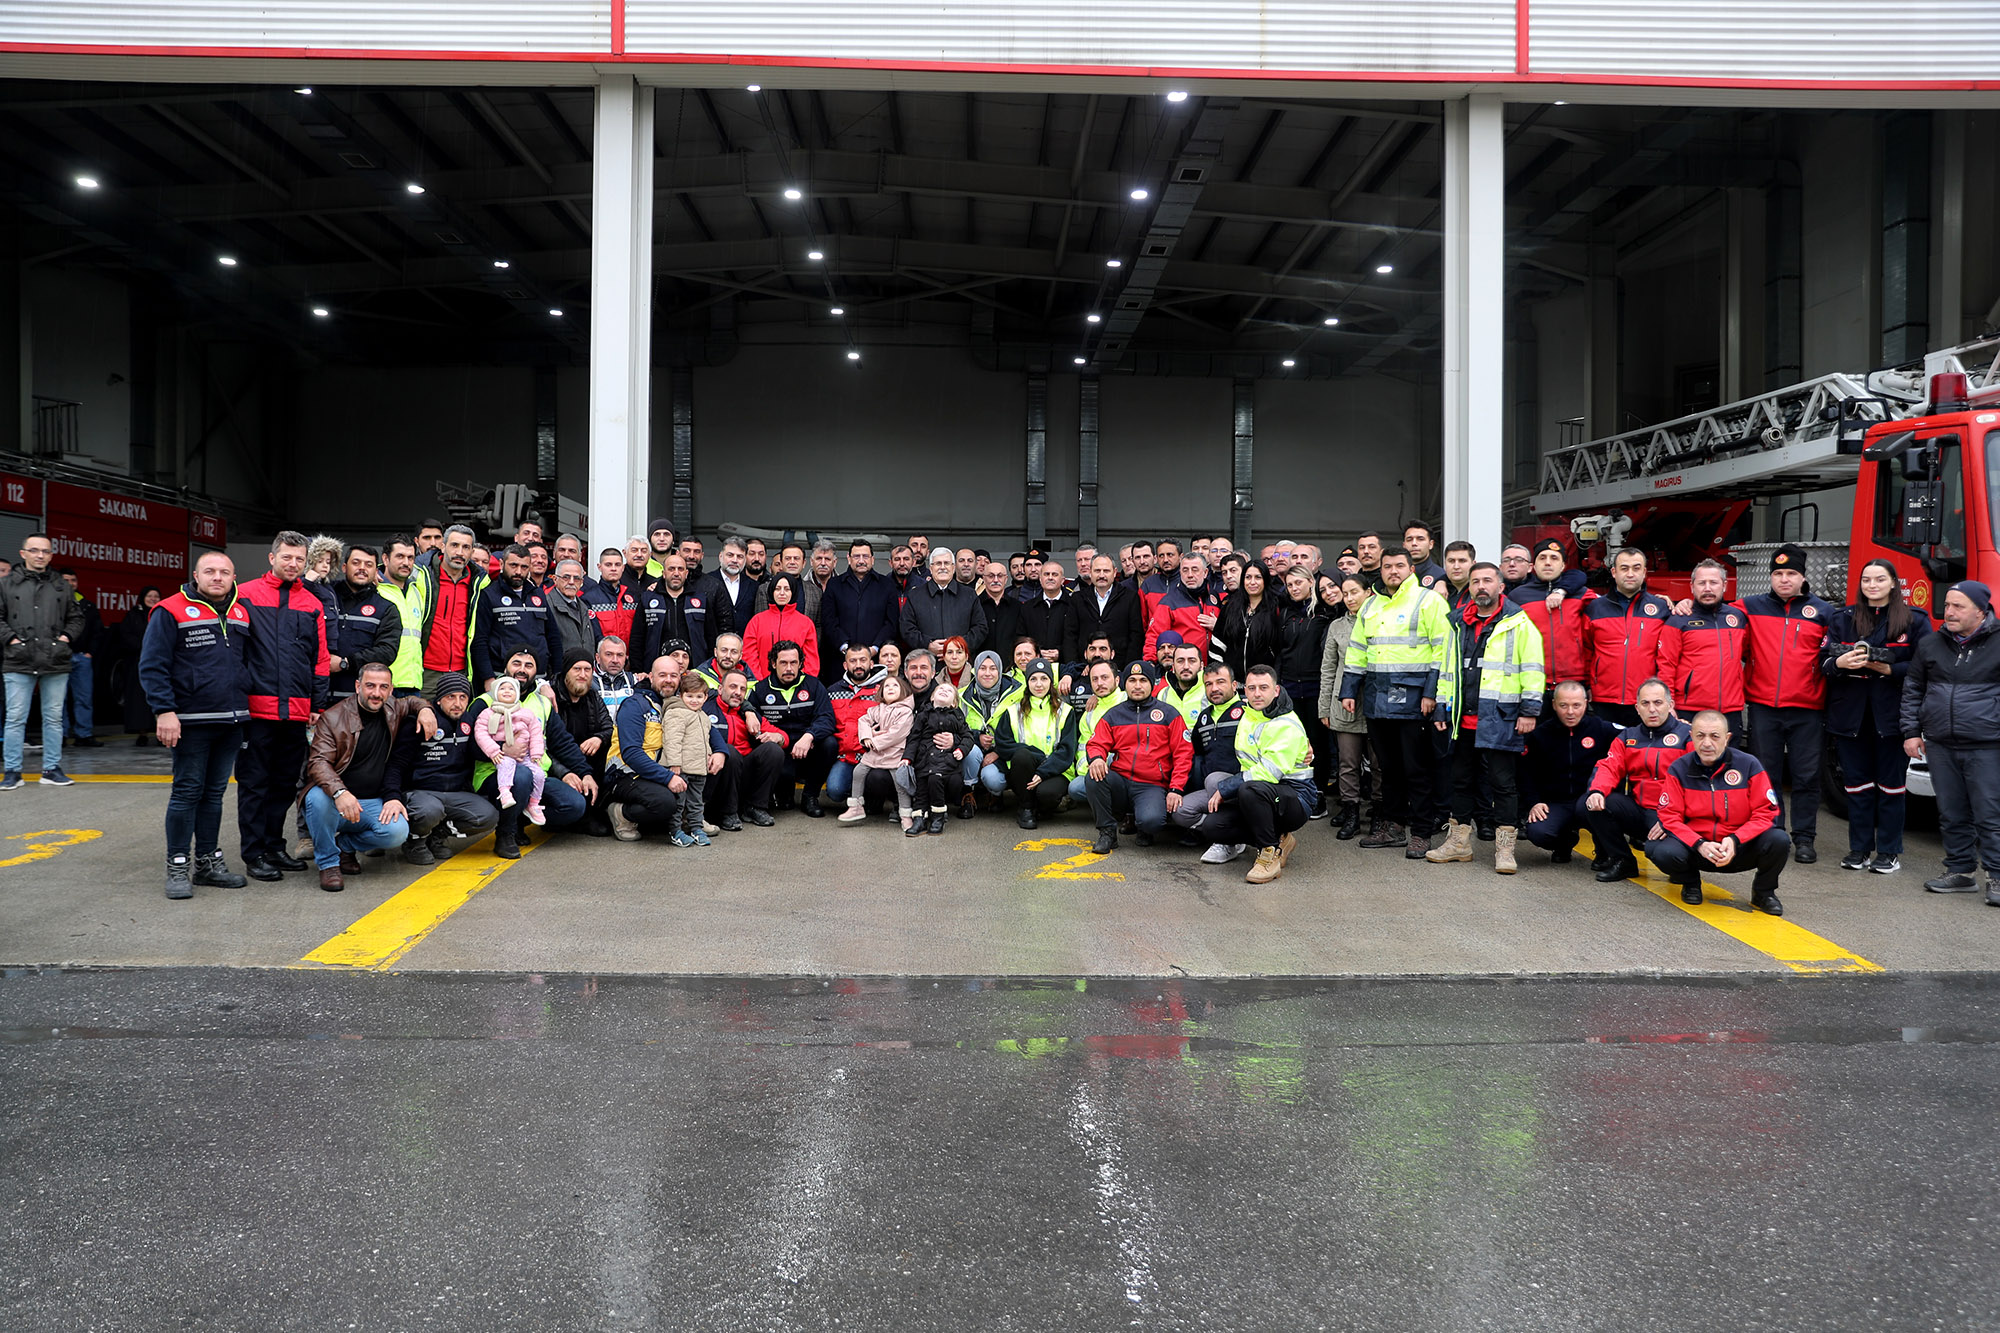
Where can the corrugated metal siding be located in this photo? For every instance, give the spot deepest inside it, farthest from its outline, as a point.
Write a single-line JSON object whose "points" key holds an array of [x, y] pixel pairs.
{"points": [[1413, 35], [1768, 39], [394, 25]]}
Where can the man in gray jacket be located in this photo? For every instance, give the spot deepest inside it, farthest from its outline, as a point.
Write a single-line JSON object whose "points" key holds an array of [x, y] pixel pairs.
{"points": [[1951, 717], [39, 618]]}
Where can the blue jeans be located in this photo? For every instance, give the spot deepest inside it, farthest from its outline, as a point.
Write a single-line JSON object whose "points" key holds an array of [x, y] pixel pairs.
{"points": [[977, 770], [82, 681], [333, 835], [1967, 781], [840, 782], [20, 694], [562, 804], [202, 764]]}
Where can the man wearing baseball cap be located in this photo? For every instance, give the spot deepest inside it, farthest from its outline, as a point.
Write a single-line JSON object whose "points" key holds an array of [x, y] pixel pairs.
{"points": [[1139, 761], [1787, 691]]}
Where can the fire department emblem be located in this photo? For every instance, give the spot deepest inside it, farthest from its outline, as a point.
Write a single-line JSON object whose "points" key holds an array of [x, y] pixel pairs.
{"points": [[1729, 621], [1810, 613], [1590, 742], [536, 600], [367, 610], [1158, 716], [1671, 739], [1235, 713], [1652, 608], [1920, 593], [1732, 777]]}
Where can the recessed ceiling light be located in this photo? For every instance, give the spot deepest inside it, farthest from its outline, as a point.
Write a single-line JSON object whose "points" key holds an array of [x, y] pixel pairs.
{"points": [[303, 92], [754, 88], [1385, 268], [815, 255], [1114, 263], [502, 263], [795, 194], [1331, 320], [1139, 194], [86, 182], [1078, 360], [1289, 363], [854, 356], [838, 310], [1177, 95], [227, 261], [1093, 318], [556, 311], [321, 311], [414, 188], [1562, 103]]}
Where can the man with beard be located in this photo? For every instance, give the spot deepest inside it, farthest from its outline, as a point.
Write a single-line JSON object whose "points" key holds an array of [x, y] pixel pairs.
{"points": [[1394, 662], [660, 538], [452, 588], [1188, 608], [438, 791], [512, 614], [1139, 762], [850, 697], [678, 614], [1621, 638], [728, 593], [565, 800], [354, 803], [1491, 701], [741, 767], [1181, 688], [366, 626], [1212, 735], [1276, 791], [796, 713], [728, 657], [756, 558], [643, 798]]}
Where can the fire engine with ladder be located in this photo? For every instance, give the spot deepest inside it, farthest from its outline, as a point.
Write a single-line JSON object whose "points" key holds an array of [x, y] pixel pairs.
{"points": [[1919, 444]]}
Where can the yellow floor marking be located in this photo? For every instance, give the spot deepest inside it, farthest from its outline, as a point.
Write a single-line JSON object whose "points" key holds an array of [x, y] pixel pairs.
{"points": [[1773, 936], [57, 840], [383, 936], [1070, 867]]}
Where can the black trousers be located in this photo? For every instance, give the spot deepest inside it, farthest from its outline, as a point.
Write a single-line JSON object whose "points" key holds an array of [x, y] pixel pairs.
{"points": [[1556, 831], [267, 783], [1473, 771], [1766, 854], [1408, 750], [1269, 810], [1046, 794], [653, 806], [1789, 742], [1621, 818], [744, 781], [809, 772]]}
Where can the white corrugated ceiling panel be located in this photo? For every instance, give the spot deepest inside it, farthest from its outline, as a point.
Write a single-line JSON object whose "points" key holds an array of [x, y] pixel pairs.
{"points": [[342, 25], [1474, 36], [1820, 40]]}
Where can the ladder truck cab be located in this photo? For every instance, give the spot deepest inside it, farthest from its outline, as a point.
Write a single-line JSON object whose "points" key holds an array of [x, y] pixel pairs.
{"points": [[1920, 444]]}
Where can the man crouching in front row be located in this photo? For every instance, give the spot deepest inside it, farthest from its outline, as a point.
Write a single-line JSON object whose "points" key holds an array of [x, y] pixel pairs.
{"points": [[1718, 813]]}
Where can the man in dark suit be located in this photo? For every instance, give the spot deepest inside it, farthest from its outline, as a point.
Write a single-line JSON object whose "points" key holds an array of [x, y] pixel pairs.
{"points": [[1106, 607]]}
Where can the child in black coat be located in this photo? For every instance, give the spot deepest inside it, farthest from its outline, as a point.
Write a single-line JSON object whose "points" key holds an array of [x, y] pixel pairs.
{"points": [[933, 775]]}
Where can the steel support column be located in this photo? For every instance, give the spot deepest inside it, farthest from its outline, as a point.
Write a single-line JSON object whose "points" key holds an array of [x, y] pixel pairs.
{"points": [[1086, 460], [1038, 459], [621, 310], [681, 505], [1474, 319], [1906, 236], [1243, 437]]}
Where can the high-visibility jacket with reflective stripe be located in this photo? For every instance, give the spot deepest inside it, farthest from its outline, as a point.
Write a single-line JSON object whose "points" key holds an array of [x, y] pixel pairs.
{"points": [[1086, 727], [535, 702], [412, 605], [1510, 681], [1399, 649], [1273, 749]]}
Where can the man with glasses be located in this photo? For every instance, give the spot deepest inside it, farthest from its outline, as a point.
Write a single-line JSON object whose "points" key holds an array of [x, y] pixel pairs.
{"points": [[572, 617]]}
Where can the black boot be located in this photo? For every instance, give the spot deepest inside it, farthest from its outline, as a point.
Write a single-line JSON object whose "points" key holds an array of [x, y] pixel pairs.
{"points": [[212, 871], [936, 825], [810, 807], [1485, 829], [179, 882], [507, 837], [1107, 841], [1025, 817], [1350, 821], [1691, 894], [1623, 867]]}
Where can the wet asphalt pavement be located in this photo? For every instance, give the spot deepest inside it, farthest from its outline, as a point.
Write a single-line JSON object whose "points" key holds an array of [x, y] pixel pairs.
{"points": [[190, 1148]]}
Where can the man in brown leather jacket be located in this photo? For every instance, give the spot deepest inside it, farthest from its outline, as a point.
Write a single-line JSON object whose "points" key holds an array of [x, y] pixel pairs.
{"points": [[354, 797]]}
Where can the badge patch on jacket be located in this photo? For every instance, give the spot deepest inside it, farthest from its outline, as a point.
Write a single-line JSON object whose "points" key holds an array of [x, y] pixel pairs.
{"points": [[1732, 778], [1670, 739]]}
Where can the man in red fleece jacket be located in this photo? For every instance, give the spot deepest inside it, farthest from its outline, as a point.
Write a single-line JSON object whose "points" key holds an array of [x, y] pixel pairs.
{"points": [[1718, 813]]}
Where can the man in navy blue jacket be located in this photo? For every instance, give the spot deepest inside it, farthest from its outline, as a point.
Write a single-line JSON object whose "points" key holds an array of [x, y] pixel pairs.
{"points": [[796, 712], [191, 670], [1555, 773], [438, 792], [859, 606], [511, 614]]}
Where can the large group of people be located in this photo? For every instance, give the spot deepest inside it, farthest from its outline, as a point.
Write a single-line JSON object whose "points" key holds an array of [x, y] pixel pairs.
{"points": [[418, 695]]}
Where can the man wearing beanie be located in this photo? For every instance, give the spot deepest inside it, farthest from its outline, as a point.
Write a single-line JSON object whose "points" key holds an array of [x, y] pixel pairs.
{"points": [[1951, 716], [1787, 691], [660, 540], [438, 793], [1139, 761]]}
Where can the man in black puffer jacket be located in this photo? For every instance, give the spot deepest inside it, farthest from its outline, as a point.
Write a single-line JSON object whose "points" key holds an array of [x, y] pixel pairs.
{"points": [[39, 619], [1951, 714]]}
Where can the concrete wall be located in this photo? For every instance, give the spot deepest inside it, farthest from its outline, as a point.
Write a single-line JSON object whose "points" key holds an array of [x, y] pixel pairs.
{"points": [[80, 327], [1842, 239]]}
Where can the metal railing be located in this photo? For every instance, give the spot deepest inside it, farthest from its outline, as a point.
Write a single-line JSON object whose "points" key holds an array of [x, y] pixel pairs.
{"points": [[56, 432]]}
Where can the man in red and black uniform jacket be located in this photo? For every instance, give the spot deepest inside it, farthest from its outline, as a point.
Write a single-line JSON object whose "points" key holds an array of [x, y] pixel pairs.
{"points": [[741, 768], [285, 667], [1140, 756], [452, 588], [1555, 599], [1639, 757], [1718, 812], [1621, 639], [1702, 650], [1555, 772], [1787, 690], [1187, 609]]}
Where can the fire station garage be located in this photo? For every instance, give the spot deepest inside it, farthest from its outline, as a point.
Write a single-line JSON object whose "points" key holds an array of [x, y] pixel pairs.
{"points": [[996, 308]]}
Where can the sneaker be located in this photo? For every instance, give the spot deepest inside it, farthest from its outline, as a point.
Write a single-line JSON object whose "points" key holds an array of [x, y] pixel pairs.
{"points": [[622, 828], [10, 781], [710, 829], [700, 837], [1952, 882], [55, 777], [1885, 865], [180, 877], [680, 839], [1222, 853], [1854, 861]]}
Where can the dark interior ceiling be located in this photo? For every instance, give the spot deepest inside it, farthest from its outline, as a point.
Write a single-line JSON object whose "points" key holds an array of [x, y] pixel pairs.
{"points": [[998, 212]]}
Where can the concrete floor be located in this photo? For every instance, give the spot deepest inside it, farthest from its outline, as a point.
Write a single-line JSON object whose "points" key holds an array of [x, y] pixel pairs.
{"points": [[316, 1150], [816, 898]]}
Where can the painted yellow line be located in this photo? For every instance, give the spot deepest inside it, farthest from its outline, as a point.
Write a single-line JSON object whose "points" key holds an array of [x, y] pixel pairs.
{"points": [[383, 936], [1773, 936], [54, 841], [1070, 867]]}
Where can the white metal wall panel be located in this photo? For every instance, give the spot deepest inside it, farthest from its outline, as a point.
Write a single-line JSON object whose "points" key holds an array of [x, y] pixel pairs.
{"points": [[1471, 36], [1817, 40], [342, 25]]}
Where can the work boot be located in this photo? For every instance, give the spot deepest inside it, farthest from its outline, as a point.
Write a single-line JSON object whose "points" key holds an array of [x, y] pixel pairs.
{"points": [[969, 806], [284, 862], [1385, 834], [1420, 847], [212, 871], [350, 864], [1803, 851], [440, 844], [417, 852], [1487, 829], [1691, 893], [1285, 846], [1025, 816], [1128, 824], [179, 882], [1503, 849], [1767, 901], [1107, 842], [1268, 867], [507, 844], [810, 807], [1622, 868], [1992, 891], [1350, 821], [1457, 845], [330, 880], [938, 814]]}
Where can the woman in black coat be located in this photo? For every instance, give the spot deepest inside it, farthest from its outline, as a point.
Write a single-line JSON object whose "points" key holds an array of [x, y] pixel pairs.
{"points": [[131, 633], [1302, 623], [1246, 630], [1864, 691]]}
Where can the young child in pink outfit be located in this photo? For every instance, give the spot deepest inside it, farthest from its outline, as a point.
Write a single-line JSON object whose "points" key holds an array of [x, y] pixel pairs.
{"points": [[505, 723], [883, 730]]}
